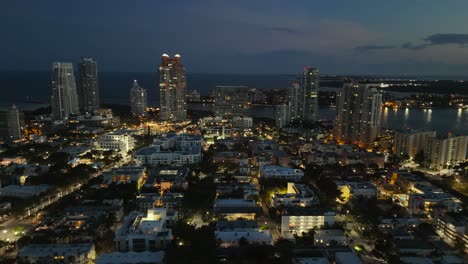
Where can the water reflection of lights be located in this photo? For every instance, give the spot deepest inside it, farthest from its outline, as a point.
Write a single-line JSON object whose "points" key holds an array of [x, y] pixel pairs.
{"points": [[406, 113], [429, 116]]}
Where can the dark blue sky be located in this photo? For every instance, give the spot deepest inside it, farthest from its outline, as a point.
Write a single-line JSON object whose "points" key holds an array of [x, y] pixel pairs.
{"points": [[276, 36]]}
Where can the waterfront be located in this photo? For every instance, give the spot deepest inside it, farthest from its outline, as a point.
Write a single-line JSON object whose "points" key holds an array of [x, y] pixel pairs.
{"points": [[442, 120]]}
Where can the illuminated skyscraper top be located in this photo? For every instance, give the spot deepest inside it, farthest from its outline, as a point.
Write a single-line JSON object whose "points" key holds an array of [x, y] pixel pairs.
{"points": [[172, 88]]}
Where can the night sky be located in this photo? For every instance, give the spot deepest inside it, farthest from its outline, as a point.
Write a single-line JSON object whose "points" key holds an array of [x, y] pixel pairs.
{"points": [[276, 36]]}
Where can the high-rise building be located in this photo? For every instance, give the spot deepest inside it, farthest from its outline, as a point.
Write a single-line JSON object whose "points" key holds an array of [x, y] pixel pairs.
{"points": [[411, 142], [231, 101], [64, 97], [138, 100], [172, 87], [310, 85], [10, 124], [357, 119], [441, 153], [88, 90], [295, 102]]}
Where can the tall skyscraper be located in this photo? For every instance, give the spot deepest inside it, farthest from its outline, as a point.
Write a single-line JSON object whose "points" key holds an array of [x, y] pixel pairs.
{"points": [[172, 88], [88, 90], [64, 96], [10, 124], [310, 85], [357, 119], [295, 102], [231, 101], [138, 100]]}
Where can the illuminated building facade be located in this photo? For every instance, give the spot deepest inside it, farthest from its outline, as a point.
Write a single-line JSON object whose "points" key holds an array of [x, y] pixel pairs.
{"points": [[357, 119], [172, 87]]}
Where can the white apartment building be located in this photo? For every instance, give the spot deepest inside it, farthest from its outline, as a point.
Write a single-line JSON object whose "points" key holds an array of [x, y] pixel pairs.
{"points": [[57, 253], [117, 141], [279, 172], [412, 142], [140, 232], [296, 221], [171, 149]]}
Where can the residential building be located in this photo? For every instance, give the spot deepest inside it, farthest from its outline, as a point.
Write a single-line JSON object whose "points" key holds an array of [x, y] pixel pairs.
{"points": [[119, 141], [88, 89], [172, 88], [126, 174], [145, 257], [11, 121], [347, 258], [242, 122], [450, 229], [138, 100], [297, 195], [310, 85], [145, 232], [357, 119], [58, 253], [329, 237], [233, 209], [279, 172], [411, 142], [171, 149], [231, 101], [64, 98], [296, 221], [295, 102], [281, 116], [442, 153], [232, 238], [23, 191], [356, 189]]}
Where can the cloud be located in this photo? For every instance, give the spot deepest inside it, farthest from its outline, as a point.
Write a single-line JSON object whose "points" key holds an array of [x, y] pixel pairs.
{"points": [[431, 40], [411, 46], [366, 48], [286, 30], [443, 39]]}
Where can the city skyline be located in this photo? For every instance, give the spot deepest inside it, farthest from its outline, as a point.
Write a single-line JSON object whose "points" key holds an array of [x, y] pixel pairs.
{"points": [[253, 39]]}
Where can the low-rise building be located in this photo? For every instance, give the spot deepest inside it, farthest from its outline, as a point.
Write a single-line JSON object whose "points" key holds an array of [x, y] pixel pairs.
{"points": [[119, 141], [347, 258], [296, 221], [126, 174], [356, 189], [234, 238], [57, 253], [23, 191], [171, 149], [278, 172], [233, 209], [145, 257], [296, 195], [140, 232], [329, 237]]}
